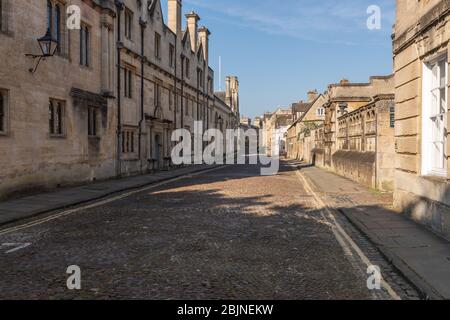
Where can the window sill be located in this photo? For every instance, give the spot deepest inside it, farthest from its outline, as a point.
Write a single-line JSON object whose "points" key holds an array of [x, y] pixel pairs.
{"points": [[62, 55], [7, 33], [3, 133], [435, 178], [87, 68], [57, 136], [129, 157]]}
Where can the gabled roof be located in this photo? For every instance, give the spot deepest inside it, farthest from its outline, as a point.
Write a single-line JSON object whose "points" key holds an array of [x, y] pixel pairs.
{"points": [[152, 7], [221, 95], [187, 40], [301, 106], [306, 107], [200, 51]]}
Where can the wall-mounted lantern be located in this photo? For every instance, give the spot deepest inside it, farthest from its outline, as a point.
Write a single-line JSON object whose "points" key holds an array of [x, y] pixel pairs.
{"points": [[48, 47]]}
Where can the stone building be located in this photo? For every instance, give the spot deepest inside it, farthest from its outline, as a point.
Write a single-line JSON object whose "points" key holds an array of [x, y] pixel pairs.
{"points": [[345, 97], [307, 115], [257, 123], [365, 144], [245, 122], [59, 123], [350, 130], [420, 46], [106, 103], [274, 131]]}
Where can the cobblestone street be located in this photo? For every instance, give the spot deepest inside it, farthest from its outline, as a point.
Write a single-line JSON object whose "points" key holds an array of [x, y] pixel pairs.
{"points": [[224, 234]]}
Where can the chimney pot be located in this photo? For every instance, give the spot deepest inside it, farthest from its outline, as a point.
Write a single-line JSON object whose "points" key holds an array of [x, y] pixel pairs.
{"points": [[192, 25]]}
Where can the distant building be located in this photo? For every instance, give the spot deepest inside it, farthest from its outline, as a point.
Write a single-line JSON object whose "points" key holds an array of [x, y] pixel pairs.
{"points": [[349, 130], [311, 115], [245, 122], [275, 127]]}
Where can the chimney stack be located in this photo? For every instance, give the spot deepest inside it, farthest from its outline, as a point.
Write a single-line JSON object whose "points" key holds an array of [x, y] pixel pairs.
{"points": [[204, 34], [312, 95], [144, 11], [192, 25], [228, 91], [232, 93], [174, 15]]}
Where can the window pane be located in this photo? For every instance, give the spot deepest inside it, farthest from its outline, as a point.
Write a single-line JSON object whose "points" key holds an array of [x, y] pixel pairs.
{"points": [[89, 122], [82, 60], [123, 141], [94, 122], [125, 82], [442, 73], [434, 76], [57, 27], [51, 118], [86, 46], [2, 113], [132, 141], [130, 88], [1, 16], [442, 101], [434, 103], [60, 117], [57, 118], [49, 15]]}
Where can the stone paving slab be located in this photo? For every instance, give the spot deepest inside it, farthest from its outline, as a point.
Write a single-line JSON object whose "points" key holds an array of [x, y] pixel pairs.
{"points": [[29, 206], [420, 255]]}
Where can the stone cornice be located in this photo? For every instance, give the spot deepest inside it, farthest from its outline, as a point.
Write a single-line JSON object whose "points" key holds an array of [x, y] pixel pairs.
{"points": [[432, 18]]}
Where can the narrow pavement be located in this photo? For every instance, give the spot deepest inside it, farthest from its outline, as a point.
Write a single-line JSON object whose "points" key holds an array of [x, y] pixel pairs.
{"points": [[224, 234]]}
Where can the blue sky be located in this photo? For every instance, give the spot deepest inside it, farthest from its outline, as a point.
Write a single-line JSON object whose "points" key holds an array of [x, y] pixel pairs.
{"points": [[280, 49]]}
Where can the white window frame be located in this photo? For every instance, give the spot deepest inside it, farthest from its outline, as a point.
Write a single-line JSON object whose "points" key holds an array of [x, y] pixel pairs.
{"points": [[320, 112], [430, 136]]}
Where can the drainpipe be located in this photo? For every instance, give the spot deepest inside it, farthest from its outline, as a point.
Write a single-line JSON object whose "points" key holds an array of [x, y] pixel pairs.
{"points": [[175, 104], [143, 26], [182, 92], [376, 147], [119, 7]]}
